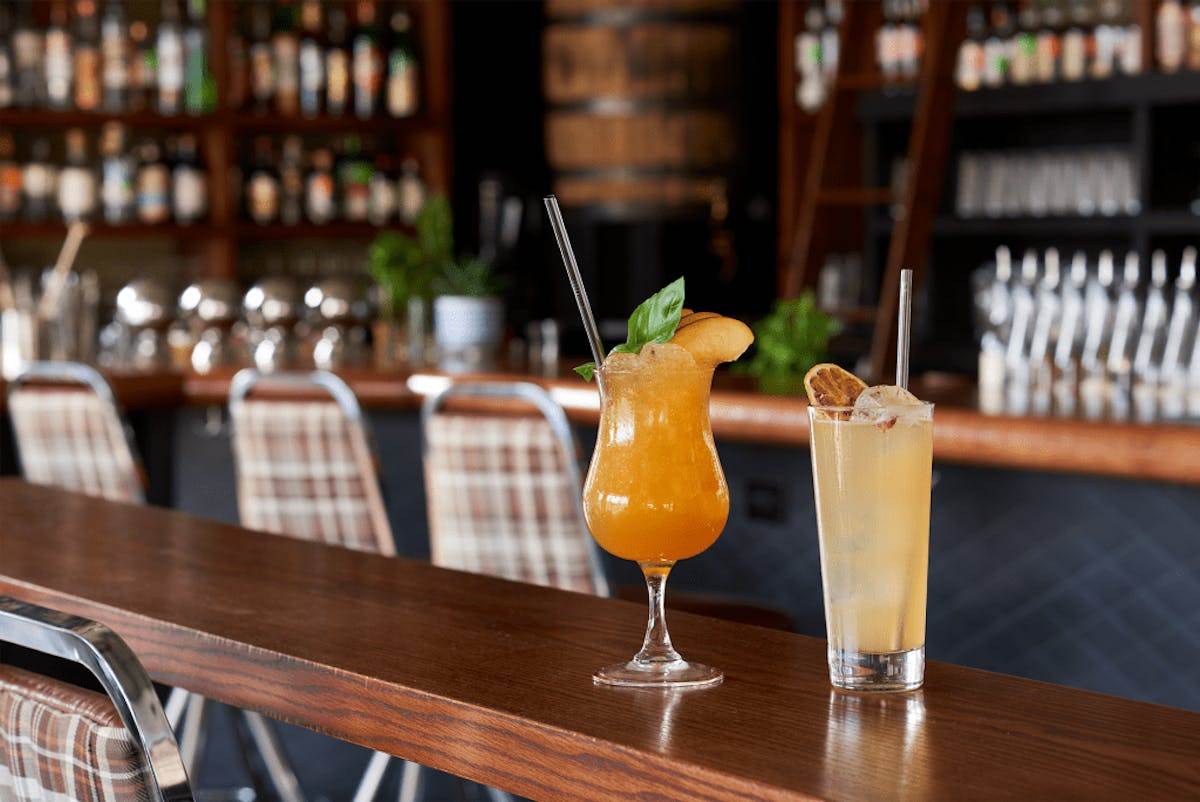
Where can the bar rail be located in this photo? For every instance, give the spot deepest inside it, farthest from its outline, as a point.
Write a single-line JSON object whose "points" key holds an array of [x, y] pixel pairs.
{"points": [[1160, 452]]}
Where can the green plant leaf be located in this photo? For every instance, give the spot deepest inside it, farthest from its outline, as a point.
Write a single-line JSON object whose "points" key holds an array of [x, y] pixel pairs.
{"points": [[790, 340], [656, 318], [435, 230]]}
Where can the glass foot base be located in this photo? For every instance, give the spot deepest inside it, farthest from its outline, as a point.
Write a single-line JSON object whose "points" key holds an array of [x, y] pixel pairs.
{"points": [[866, 671], [675, 674]]}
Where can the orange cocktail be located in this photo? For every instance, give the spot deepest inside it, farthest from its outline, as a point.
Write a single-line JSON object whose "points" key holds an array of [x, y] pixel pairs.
{"points": [[655, 492]]}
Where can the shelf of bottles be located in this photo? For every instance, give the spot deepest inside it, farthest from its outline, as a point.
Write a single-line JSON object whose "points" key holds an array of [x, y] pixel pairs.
{"points": [[112, 111], [1092, 337], [1022, 43]]}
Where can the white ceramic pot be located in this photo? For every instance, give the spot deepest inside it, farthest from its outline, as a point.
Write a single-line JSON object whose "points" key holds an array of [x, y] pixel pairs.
{"points": [[467, 332]]}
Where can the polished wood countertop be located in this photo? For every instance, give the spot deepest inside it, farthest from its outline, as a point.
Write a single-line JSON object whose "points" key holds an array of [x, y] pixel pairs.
{"points": [[1163, 452], [491, 680]]}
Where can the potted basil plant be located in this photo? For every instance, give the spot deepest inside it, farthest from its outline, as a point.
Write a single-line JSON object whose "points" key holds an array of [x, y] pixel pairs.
{"points": [[468, 315], [787, 342]]}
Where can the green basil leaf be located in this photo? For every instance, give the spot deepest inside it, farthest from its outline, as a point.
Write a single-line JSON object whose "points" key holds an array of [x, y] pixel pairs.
{"points": [[656, 319], [587, 370]]}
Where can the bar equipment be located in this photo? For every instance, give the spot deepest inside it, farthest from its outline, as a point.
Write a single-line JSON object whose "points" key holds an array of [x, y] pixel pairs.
{"points": [[1016, 351], [145, 308], [1127, 313], [1181, 330], [1098, 310], [272, 308], [210, 308], [1068, 347], [338, 308], [1148, 356], [1045, 324]]}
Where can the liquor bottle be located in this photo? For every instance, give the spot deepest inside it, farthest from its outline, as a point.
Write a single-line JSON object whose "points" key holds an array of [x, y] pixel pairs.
{"points": [[1131, 47], [1024, 44], [153, 184], [403, 86], [291, 180], [1075, 43], [996, 49], [262, 188], [143, 78], [7, 66], [239, 78], [189, 190], [830, 48], [114, 58], [886, 45], [37, 182], [908, 40], [312, 58], [1071, 332], [969, 73], [1148, 355], [1049, 42], [320, 202], [199, 88], [1127, 314], [1107, 36], [117, 173], [1172, 37], [170, 60], [77, 181], [382, 192], [410, 190], [285, 45], [262, 59], [1181, 330], [810, 93], [1193, 38], [87, 56], [367, 62], [58, 58], [354, 178], [10, 179], [27, 58], [337, 64]]}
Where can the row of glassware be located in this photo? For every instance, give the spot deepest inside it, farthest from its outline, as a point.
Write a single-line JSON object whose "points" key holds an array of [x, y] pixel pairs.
{"points": [[1087, 339]]}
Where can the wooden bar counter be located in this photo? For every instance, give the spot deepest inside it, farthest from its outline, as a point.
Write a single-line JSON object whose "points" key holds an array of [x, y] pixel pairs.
{"points": [[1163, 452], [491, 680]]}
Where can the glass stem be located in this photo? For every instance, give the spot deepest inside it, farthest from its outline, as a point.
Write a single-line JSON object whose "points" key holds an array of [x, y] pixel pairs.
{"points": [[656, 648]]}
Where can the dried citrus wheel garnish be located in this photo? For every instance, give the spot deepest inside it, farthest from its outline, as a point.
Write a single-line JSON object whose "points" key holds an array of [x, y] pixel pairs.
{"points": [[828, 385]]}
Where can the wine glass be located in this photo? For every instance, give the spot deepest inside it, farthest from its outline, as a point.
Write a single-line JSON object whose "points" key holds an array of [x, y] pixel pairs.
{"points": [[655, 492]]}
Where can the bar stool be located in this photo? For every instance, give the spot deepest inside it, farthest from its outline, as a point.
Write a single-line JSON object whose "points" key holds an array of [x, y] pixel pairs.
{"points": [[70, 433], [306, 468], [61, 741], [504, 491]]}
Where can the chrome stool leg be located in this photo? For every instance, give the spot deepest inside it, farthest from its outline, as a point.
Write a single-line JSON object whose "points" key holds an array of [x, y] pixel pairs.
{"points": [[368, 786], [496, 795], [278, 768], [410, 782], [195, 727], [177, 702]]}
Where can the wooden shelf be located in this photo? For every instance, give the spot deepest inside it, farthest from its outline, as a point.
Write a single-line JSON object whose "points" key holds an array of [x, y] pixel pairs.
{"points": [[336, 230], [50, 118], [40, 230], [251, 121], [1120, 92]]}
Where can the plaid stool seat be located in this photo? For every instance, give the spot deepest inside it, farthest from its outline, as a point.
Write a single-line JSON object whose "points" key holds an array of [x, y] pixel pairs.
{"points": [[70, 434], [62, 742], [503, 491], [305, 468]]}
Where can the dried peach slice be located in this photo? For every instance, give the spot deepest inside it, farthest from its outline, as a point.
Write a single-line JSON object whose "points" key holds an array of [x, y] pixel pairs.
{"points": [[829, 385], [713, 338]]}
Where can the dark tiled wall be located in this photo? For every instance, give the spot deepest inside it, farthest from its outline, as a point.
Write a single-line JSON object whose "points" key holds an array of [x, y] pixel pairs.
{"points": [[1075, 580]]}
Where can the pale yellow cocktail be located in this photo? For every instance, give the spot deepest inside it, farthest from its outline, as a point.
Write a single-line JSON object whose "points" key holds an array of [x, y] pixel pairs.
{"points": [[871, 475]]}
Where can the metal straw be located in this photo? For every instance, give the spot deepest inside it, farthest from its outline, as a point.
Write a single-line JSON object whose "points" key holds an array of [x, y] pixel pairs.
{"points": [[905, 325], [581, 299]]}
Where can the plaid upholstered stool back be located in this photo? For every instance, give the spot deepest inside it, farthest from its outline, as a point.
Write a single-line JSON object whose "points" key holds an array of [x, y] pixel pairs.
{"points": [[61, 742], [503, 490], [70, 433], [305, 463]]}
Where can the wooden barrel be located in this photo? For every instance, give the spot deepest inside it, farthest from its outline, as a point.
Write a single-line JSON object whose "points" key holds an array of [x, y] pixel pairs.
{"points": [[641, 102]]}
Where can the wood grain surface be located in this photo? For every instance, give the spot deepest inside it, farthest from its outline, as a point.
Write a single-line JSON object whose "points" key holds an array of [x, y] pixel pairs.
{"points": [[491, 680], [961, 434]]}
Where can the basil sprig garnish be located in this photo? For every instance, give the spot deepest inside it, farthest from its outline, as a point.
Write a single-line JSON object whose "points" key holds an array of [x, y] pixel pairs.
{"points": [[654, 321]]}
